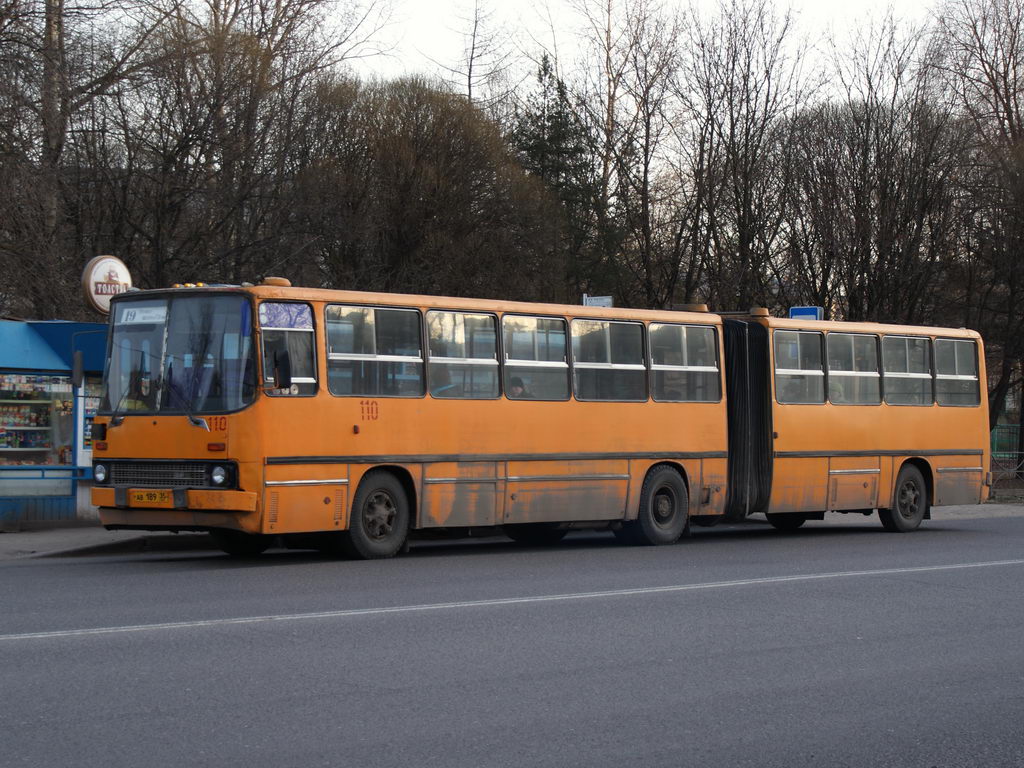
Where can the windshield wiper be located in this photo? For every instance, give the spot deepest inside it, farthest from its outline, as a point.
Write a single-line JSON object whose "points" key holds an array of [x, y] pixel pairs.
{"points": [[117, 415]]}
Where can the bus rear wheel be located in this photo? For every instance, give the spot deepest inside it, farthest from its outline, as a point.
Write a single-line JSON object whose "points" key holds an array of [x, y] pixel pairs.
{"points": [[380, 517], [909, 504], [664, 509], [240, 544], [786, 521]]}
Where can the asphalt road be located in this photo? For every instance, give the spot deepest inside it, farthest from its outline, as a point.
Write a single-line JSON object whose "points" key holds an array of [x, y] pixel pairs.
{"points": [[837, 645]]}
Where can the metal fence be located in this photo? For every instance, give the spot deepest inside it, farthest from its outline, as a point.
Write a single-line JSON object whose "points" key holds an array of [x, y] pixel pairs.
{"points": [[1007, 459]]}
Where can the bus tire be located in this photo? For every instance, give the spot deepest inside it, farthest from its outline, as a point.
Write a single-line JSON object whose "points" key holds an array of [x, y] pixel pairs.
{"points": [[909, 503], [664, 509], [380, 517], [241, 544], [536, 534], [786, 521]]}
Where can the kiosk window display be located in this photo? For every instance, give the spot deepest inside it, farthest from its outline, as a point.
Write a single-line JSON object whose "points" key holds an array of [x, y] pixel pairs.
{"points": [[36, 419]]}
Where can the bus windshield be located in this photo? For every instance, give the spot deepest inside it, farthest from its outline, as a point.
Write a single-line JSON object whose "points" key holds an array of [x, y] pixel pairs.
{"points": [[184, 354]]}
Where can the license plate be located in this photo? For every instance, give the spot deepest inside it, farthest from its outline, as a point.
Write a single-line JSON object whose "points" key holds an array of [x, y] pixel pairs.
{"points": [[151, 498]]}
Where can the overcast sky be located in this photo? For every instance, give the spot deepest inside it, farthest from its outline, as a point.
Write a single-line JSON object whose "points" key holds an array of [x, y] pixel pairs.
{"points": [[426, 33]]}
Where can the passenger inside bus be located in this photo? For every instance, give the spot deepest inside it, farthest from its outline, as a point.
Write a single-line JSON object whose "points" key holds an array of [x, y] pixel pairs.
{"points": [[441, 384], [835, 391], [518, 391]]}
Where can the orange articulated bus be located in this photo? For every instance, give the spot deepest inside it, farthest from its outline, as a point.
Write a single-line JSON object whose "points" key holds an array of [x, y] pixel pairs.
{"points": [[347, 419], [857, 417]]}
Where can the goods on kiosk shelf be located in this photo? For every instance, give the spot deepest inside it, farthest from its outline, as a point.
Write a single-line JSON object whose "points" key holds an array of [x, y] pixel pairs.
{"points": [[32, 407]]}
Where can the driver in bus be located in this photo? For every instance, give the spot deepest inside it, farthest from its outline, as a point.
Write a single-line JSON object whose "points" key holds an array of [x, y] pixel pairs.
{"points": [[141, 394]]}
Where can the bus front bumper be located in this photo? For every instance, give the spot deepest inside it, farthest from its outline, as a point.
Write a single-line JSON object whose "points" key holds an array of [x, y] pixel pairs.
{"points": [[176, 510], [174, 499]]}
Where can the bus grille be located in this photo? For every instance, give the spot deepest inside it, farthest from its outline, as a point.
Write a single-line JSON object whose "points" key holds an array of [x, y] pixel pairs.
{"points": [[159, 474]]}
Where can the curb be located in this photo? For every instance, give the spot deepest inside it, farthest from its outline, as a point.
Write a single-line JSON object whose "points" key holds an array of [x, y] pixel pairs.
{"points": [[137, 545]]}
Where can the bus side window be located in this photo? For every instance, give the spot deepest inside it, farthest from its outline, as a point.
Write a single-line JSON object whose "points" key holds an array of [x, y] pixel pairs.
{"points": [[373, 351], [463, 350], [907, 370], [853, 369], [535, 367], [956, 372], [799, 375], [608, 360], [684, 363], [288, 327]]}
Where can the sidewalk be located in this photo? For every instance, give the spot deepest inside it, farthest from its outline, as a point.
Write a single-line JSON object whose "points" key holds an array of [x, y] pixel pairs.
{"points": [[95, 540]]}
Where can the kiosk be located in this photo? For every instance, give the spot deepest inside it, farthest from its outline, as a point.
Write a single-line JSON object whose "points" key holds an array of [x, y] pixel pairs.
{"points": [[45, 424]]}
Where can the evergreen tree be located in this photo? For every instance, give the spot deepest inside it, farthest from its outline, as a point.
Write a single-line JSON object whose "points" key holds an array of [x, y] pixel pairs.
{"points": [[558, 147]]}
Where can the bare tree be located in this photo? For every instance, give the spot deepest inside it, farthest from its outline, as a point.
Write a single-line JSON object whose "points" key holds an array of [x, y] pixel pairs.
{"points": [[67, 56], [405, 186], [626, 98], [85, 68], [648, 190], [871, 216], [486, 56], [607, 40], [740, 84], [979, 49]]}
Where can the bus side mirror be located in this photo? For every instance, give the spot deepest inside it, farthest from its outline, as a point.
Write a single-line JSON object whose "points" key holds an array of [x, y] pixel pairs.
{"points": [[77, 369], [282, 369]]}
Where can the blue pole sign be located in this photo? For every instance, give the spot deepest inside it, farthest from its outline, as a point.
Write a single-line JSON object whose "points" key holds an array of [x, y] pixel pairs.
{"points": [[807, 313]]}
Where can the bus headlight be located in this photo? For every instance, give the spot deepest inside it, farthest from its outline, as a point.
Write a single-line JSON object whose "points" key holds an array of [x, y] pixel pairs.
{"points": [[99, 473], [218, 475]]}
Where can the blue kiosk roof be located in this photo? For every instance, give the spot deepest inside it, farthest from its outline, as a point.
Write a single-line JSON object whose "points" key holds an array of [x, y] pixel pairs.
{"points": [[49, 345]]}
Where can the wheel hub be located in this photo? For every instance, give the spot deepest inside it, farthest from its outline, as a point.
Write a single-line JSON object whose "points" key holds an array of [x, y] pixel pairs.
{"points": [[908, 500], [379, 515], [664, 506]]}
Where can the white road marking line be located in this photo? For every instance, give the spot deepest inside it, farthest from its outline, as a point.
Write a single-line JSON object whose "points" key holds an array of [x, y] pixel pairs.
{"points": [[501, 601]]}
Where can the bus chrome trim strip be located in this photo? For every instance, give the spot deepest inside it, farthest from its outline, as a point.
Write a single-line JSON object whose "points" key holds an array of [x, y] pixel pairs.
{"points": [[469, 480], [960, 469], [517, 363], [360, 358], [528, 478], [462, 360], [875, 471], [855, 454], [609, 366], [466, 457], [337, 481], [660, 367], [800, 371]]}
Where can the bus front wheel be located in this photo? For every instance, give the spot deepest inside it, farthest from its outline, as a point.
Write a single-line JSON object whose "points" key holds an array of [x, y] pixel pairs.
{"points": [[380, 517], [909, 504], [664, 509]]}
